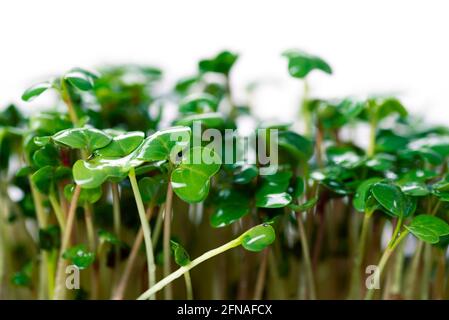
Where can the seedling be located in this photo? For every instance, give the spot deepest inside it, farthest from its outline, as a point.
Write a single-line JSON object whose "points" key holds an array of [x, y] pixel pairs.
{"points": [[105, 186]]}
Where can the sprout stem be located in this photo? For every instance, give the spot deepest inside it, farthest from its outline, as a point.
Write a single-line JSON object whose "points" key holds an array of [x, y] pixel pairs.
{"points": [[121, 287], [306, 256], [146, 230], [384, 259], [182, 270], [57, 209], [166, 241], [188, 282], [359, 256], [117, 224], [59, 293]]}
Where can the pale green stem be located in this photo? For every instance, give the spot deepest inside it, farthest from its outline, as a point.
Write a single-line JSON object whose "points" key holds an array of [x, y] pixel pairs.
{"points": [[425, 276], [384, 259], [359, 256], [146, 230], [60, 291], [57, 209], [188, 282], [305, 110], [182, 270], [306, 257], [166, 241]]}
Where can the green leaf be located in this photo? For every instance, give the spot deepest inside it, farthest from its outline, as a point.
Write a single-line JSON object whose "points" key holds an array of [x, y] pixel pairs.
{"points": [[245, 173], [414, 188], [191, 179], [46, 156], [231, 206], [48, 123], [388, 106], [258, 238], [79, 256], [153, 188], [221, 63], [80, 79], [273, 191], [297, 145], [86, 195], [43, 178], [393, 200], [121, 145], [36, 90], [93, 173], [361, 195], [300, 63], [428, 228], [80, 138], [209, 120], [198, 103], [164, 144], [181, 256]]}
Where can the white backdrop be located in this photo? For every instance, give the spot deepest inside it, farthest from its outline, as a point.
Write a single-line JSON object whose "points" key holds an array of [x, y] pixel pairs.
{"points": [[373, 46]]}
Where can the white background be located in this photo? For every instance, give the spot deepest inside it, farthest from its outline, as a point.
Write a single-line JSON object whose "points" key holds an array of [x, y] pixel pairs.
{"points": [[373, 46]]}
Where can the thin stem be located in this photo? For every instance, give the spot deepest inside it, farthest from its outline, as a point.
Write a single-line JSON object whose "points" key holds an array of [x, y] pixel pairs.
{"points": [[65, 95], [305, 110], [306, 256], [188, 282], [57, 209], [89, 226], [123, 282], [117, 224], [182, 270], [166, 242], [59, 293], [426, 272], [146, 230], [384, 259], [359, 256]]}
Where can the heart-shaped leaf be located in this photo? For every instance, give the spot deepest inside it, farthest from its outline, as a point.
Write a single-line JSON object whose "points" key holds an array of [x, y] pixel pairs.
{"points": [[273, 191], [190, 179], [414, 188], [428, 228], [80, 79], [43, 178], [164, 144], [221, 63], [121, 145], [46, 156], [209, 120], [300, 63], [153, 188], [80, 138], [198, 103], [392, 199], [231, 206], [258, 238], [36, 90], [297, 145], [79, 256], [93, 173], [361, 195]]}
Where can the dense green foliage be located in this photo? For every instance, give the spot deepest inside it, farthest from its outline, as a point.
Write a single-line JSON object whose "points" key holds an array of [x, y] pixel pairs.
{"points": [[97, 179]]}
